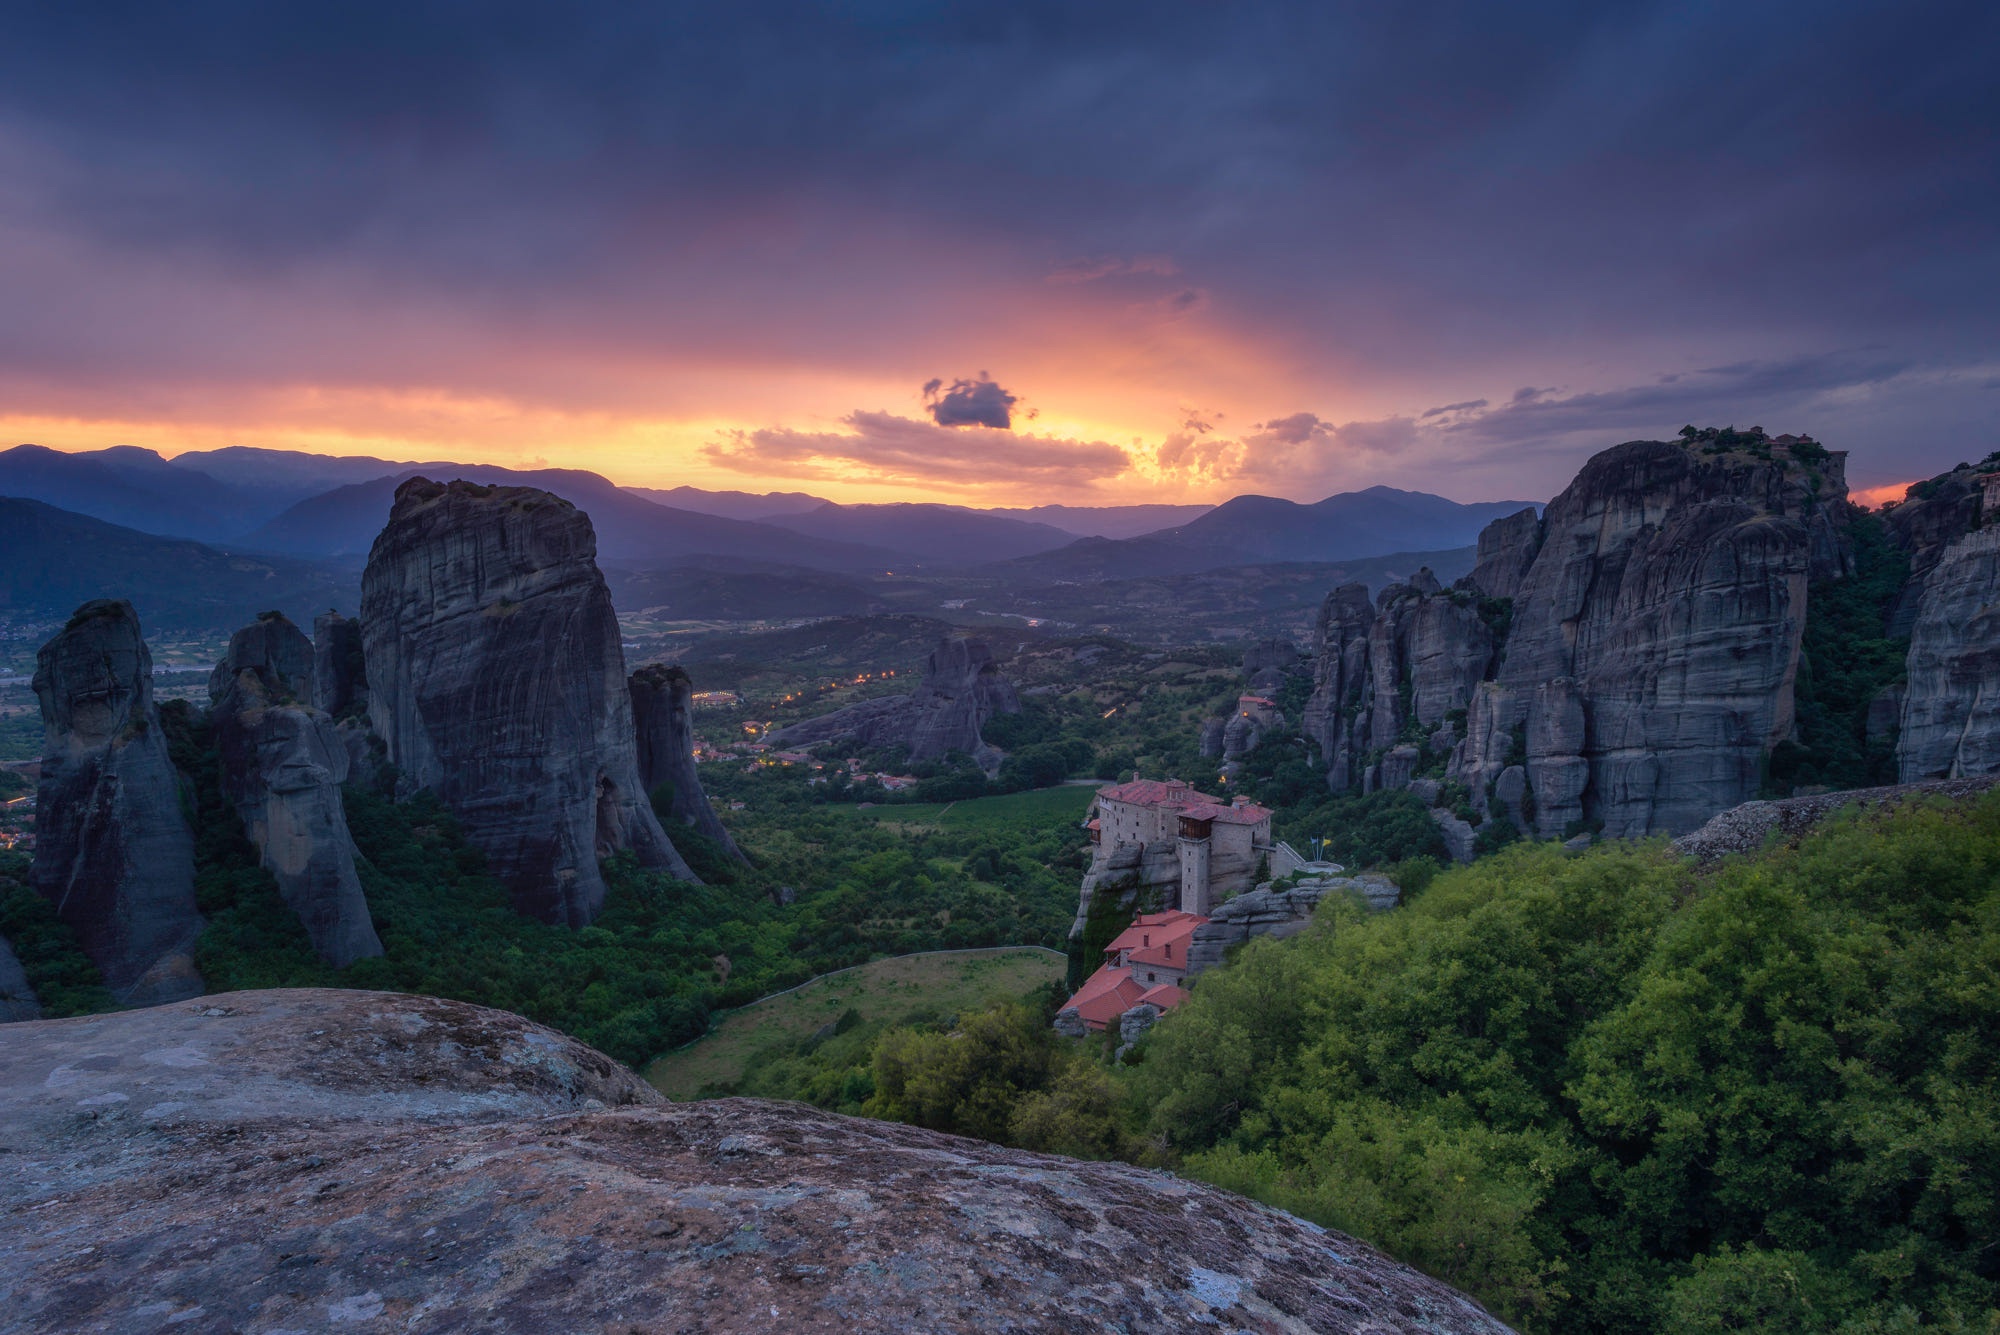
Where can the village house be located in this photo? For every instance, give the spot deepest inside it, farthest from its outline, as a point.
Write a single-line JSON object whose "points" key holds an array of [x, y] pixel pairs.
{"points": [[1146, 965], [1219, 845]]}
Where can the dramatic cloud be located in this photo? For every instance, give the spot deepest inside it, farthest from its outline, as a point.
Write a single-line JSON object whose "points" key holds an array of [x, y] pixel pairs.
{"points": [[905, 452], [970, 403], [671, 225]]}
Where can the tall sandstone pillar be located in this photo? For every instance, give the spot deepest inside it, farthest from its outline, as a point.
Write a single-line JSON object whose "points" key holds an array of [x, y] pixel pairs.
{"points": [[496, 679], [113, 850]]}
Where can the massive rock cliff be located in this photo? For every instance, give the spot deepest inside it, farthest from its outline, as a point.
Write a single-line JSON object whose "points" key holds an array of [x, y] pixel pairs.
{"points": [[315, 1160], [1624, 663], [113, 850], [282, 766], [663, 714], [961, 689], [496, 679], [1951, 700]]}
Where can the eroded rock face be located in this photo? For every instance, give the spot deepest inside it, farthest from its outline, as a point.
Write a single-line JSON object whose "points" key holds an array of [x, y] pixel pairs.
{"points": [[283, 763], [1338, 714], [663, 715], [961, 689], [496, 679], [113, 850], [1507, 547], [1655, 636], [1951, 701], [340, 669], [338, 1160]]}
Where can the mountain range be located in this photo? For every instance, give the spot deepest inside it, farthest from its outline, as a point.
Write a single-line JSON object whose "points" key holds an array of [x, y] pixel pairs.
{"points": [[289, 503]]}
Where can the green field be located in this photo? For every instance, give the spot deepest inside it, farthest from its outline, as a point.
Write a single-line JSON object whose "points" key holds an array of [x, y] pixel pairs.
{"points": [[886, 992], [1033, 810]]}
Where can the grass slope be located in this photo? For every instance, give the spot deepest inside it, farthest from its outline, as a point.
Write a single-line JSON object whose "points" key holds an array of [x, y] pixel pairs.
{"points": [[885, 993]]}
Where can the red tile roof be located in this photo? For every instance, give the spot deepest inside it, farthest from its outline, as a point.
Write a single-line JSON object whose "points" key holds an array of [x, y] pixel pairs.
{"points": [[1104, 996], [1155, 927], [1247, 814], [1166, 996], [1153, 793]]}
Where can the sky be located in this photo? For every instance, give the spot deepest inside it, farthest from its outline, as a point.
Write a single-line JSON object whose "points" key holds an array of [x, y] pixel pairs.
{"points": [[1093, 253]]}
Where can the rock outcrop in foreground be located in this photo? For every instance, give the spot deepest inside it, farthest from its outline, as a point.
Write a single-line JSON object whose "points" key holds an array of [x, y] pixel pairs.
{"points": [[663, 714], [961, 689], [282, 766], [307, 1160], [496, 679], [113, 851]]}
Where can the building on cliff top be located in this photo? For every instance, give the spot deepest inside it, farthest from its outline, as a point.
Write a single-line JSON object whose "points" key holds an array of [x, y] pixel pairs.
{"points": [[1219, 845], [1145, 965]]}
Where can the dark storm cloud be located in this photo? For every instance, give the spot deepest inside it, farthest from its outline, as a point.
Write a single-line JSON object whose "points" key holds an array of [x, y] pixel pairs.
{"points": [[1735, 394], [1419, 191], [970, 403]]}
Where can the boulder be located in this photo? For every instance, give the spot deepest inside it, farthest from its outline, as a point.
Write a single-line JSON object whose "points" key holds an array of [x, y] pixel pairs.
{"points": [[663, 715], [113, 850], [496, 679], [1133, 1025], [283, 763], [315, 1160], [1211, 737], [1457, 834], [1950, 726], [1399, 766]]}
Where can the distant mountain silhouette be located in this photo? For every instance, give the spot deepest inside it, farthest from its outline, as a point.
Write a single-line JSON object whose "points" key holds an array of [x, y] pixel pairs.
{"points": [[1106, 521], [1261, 530], [939, 535], [52, 561], [731, 504], [631, 530], [128, 486]]}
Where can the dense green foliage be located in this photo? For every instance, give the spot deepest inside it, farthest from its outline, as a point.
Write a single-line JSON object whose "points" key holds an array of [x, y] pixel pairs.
{"points": [[1607, 1093], [1846, 659], [60, 974], [828, 890]]}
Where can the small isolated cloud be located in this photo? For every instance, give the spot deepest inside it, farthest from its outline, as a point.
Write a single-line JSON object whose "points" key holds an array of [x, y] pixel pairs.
{"points": [[977, 402], [1527, 394], [1469, 406], [1294, 430], [895, 449], [1114, 266]]}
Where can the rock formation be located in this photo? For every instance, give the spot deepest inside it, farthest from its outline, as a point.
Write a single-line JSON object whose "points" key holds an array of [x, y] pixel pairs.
{"points": [[340, 670], [961, 689], [1268, 911], [310, 1160], [113, 850], [282, 766], [1625, 662], [17, 997], [496, 679], [1747, 828], [663, 714], [1933, 515], [1507, 548], [1951, 700]]}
